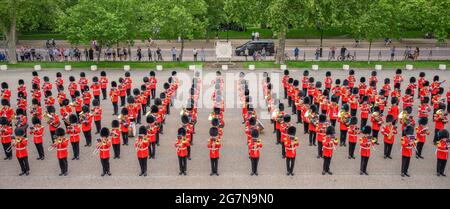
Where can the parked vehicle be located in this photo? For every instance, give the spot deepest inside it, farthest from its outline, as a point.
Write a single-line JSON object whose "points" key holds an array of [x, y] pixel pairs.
{"points": [[253, 46]]}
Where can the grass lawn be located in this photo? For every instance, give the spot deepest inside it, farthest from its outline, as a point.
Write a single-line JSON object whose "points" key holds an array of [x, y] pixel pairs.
{"points": [[268, 64]]}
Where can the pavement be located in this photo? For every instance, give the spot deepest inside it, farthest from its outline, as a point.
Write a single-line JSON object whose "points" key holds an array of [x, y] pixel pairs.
{"points": [[234, 165], [430, 50]]}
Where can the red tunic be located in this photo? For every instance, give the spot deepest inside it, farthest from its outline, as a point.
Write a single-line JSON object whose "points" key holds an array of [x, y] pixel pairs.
{"points": [[61, 148], [407, 147], [37, 133], [254, 149], [328, 146], [365, 145], [103, 82], [421, 133], [386, 131], [442, 150], [21, 148], [141, 147], [291, 148], [6, 132], [214, 149], [181, 146], [114, 94], [115, 139], [74, 133], [104, 152]]}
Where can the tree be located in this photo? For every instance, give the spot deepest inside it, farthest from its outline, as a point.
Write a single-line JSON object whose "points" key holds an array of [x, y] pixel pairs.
{"points": [[214, 17], [106, 21], [181, 18], [18, 15]]}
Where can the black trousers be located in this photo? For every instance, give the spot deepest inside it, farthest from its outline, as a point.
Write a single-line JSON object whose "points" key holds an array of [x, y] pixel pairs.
{"points": [[153, 92], [139, 117], [125, 137], [98, 125], [319, 149], [435, 139], [254, 161], [333, 122], [144, 109], [326, 163], [88, 137], [52, 136], [214, 165], [305, 127], [278, 136], [290, 162], [283, 150], [294, 109], [289, 101], [387, 149], [143, 164], [285, 93], [343, 136], [24, 166], [351, 149], [299, 116], [183, 164], [152, 149], [5, 147], [63, 165], [105, 165], [122, 101], [104, 94], [312, 137], [76, 149], [168, 109], [129, 92], [97, 97], [40, 150], [188, 151], [353, 112], [440, 168], [405, 164], [116, 149], [419, 148], [364, 162], [375, 134], [363, 122], [116, 108]]}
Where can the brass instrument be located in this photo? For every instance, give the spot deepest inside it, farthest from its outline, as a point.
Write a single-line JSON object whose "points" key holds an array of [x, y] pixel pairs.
{"points": [[343, 116], [440, 113], [103, 141], [48, 118], [55, 144], [13, 144]]}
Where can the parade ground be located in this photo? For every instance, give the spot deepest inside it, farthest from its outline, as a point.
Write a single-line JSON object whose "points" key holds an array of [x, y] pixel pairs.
{"points": [[234, 163]]}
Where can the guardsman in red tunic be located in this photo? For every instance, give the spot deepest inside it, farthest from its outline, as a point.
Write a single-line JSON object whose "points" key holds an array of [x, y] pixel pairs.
{"points": [[440, 119], [21, 121], [351, 79], [377, 121], [321, 129], [435, 85], [448, 101], [336, 90], [333, 110], [59, 80], [49, 100], [254, 148], [5, 134], [425, 91], [362, 87], [424, 108], [128, 83], [36, 94], [311, 88], [386, 87], [283, 130], [285, 83], [291, 145], [388, 131], [181, 144], [36, 80], [85, 119], [298, 103], [22, 89], [22, 103], [412, 85], [74, 130], [87, 96], [83, 81], [141, 146], [278, 117], [35, 110], [152, 131], [214, 145], [328, 81], [353, 131], [61, 144], [305, 82], [73, 86], [344, 121], [289, 87], [365, 111], [47, 85], [103, 147], [154, 111], [37, 130], [132, 111], [394, 110], [366, 143], [104, 84], [329, 144], [408, 99], [6, 111], [188, 126], [442, 152], [115, 138], [61, 95], [96, 88], [5, 93], [77, 104], [353, 100], [20, 143], [421, 131], [312, 120], [143, 99], [408, 142], [137, 105], [124, 125], [437, 100], [398, 78], [153, 82], [53, 121], [114, 95], [65, 111], [420, 82], [122, 92], [345, 91], [97, 112]]}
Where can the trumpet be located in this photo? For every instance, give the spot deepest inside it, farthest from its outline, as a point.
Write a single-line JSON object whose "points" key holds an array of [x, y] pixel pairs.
{"points": [[103, 142], [59, 140], [13, 144], [48, 118]]}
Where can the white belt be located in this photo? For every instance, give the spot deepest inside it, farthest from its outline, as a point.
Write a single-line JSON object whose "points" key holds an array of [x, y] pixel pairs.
{"points": [[37, 135], [62, 149], [442, 150], [328, 148], [366, 148], [104, 149], [22, 148], [143, 149], [75, 135]]}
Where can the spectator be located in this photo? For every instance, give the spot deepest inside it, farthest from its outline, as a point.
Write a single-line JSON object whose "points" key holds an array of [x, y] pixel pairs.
{"points": [[343, 51], [149, 52], [125, 54], [333, 53], [392, 53], [202, 55], [195, 53], [174, 54], [91, 54], [120, 53], [257, 35], [158, 51], [263, 53], [246, 53], [296, 53], [253, 35], [113, 54], [317, 54], [86, 54], [139, 53]]}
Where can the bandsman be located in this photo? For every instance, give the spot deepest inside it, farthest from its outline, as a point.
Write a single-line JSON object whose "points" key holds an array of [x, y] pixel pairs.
{"points": [[420, 83], [365, 111], [22, 89], [214, 145], [377, 120], [333, 110], [442, 152], [77, 104], [49, 100], [6, 111], [152, 84], [394, 110], [353, 131], [97, 112], [141, 146], [328, 81], [408, 142], [96, 88], [83, 82], [122, 92], [329, 144], [5, 134], [85, 119], [152, 131], [137, 105], [74, 130], [36, 109], [104, 84], [65, 111], [181, 145], [20, 144], [124, 125], [37, 130], [21, 121], [388, 131], [128, 82], [344, 121], [47, 85], [61, 144], [305, 82], [312, 119], [115, 138], [398, 78], [36, 93], [53, 121], [321, 129], [291, 145], [366, 143], [285, 83], [362, 87], [254, 148], [61, 95], [440, 119], [36, 80], [59, 80], [114, 95], [86, 96], [422, 132], [73, 86], [103, 146]]}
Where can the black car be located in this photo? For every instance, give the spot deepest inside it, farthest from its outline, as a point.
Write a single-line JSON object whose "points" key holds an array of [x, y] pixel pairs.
{"points": [[253, 46]]}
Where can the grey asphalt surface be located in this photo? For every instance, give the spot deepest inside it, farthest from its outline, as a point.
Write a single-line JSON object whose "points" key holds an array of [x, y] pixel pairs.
{"points": [[234, 165]]}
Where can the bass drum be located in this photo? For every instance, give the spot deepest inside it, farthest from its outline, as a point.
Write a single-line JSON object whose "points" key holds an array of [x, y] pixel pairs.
{"points": [[132, 131]]}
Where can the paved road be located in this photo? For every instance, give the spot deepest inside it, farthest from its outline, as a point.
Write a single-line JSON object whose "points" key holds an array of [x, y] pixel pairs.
{"points": [[234, 165]]}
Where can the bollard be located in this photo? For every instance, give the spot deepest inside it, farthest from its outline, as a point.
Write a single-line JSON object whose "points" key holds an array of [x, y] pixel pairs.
{"points": [[409, 67], [159, 67], [378, 67], [37, 67], [192, 67], [251, 67], [315, 67], [225, 67], [346, 67], [93, 67], [283, 67], [442, 67], [68, 68], [126, 68], [3, 67]]}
